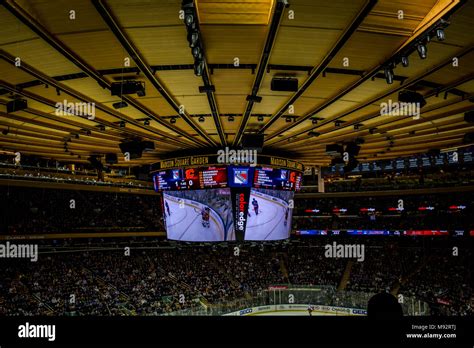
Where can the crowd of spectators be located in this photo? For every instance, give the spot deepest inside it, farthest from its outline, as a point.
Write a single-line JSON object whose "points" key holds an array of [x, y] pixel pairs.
{"points": [[34, 211], [44, 211], [65, 176], [443, 211], [158, 278]]}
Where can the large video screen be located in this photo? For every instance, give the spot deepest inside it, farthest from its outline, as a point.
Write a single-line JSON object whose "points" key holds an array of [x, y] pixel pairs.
{"points": [[280, 179], [269, 214], [207, 215], [191, 178], [199, 215]]}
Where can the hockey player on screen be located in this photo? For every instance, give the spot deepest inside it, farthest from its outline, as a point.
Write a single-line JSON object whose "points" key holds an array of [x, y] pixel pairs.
{"points": [[167, 208], [205, 217], [310, 310], [287, 212], [255, 206]]}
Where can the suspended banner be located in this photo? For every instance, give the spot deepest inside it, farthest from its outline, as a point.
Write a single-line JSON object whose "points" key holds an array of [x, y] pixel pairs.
{"points": [[240, 204]]}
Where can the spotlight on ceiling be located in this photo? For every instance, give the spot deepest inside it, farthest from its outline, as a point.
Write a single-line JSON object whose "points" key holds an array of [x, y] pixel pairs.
{"points": [[313, 134], [197, 52], [173, 120], [88, 132], [337, 123], [388, 72], [120, 105], [201, 119], [260, 118], [6, 131], [122, 124], [146, 122], [422, 50], [198, 67], [440, 35], [288, 119], [193, 38], [230, 118], [405, 61], [189, 20]]}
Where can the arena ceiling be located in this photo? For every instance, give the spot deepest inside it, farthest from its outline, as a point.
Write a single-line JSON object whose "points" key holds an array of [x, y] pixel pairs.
{"points": [[53, 51]]}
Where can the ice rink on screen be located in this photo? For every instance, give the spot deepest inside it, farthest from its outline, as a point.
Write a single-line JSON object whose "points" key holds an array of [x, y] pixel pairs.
{"points": [[269, 224], [185, 222]]}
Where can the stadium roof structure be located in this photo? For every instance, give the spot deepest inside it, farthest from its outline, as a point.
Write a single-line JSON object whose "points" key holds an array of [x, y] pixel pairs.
{"points": [[343, 54]]}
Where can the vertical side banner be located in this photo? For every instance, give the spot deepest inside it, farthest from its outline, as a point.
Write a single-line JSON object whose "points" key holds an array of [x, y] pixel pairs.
{"points": [[240, 204]]}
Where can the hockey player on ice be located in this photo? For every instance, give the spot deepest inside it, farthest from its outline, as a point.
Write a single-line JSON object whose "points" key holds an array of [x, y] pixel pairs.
{"points": [[310, 310], [255, 206], [205, 217], [167, 208]]}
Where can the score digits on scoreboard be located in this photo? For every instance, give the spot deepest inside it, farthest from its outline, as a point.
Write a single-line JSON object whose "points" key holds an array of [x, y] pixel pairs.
{"points": [[227, 176]]}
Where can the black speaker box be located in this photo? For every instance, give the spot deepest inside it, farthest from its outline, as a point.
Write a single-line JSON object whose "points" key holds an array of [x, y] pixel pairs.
{"points": [[252, 141], [95, 162], [334, 149], [469, 117], [148, 145], [127, 87], [411, 97], [134, 148], [284, 84], [111, 158], [468, 138], [353, 149], [16, 105]]}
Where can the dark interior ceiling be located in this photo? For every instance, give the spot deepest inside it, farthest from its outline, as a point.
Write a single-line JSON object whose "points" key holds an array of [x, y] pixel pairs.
{"points": [[336, 49]]}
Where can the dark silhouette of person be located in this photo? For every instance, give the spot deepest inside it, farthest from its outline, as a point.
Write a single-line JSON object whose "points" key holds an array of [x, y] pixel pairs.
{"points": [[384, 306]]}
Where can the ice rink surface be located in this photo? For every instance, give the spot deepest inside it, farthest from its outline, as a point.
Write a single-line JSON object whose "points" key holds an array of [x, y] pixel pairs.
{"points": [[290, 313], [185, 222], [269, 224]]}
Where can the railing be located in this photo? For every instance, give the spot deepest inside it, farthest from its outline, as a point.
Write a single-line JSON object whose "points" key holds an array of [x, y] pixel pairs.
{"points": [[315, 295]]}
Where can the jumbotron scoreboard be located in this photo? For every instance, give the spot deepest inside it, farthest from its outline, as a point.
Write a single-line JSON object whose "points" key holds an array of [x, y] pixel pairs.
{"points": [[198, 178], [204, 200]]}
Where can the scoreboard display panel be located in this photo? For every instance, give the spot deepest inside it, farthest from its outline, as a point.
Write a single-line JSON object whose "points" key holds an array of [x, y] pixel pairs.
{"points": [[298, 180], [193, 178], [213, 177], [263, 177], [217, 202], [200, 178], [240, 176], [190, 179], [283, 180], [170, 179]]}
